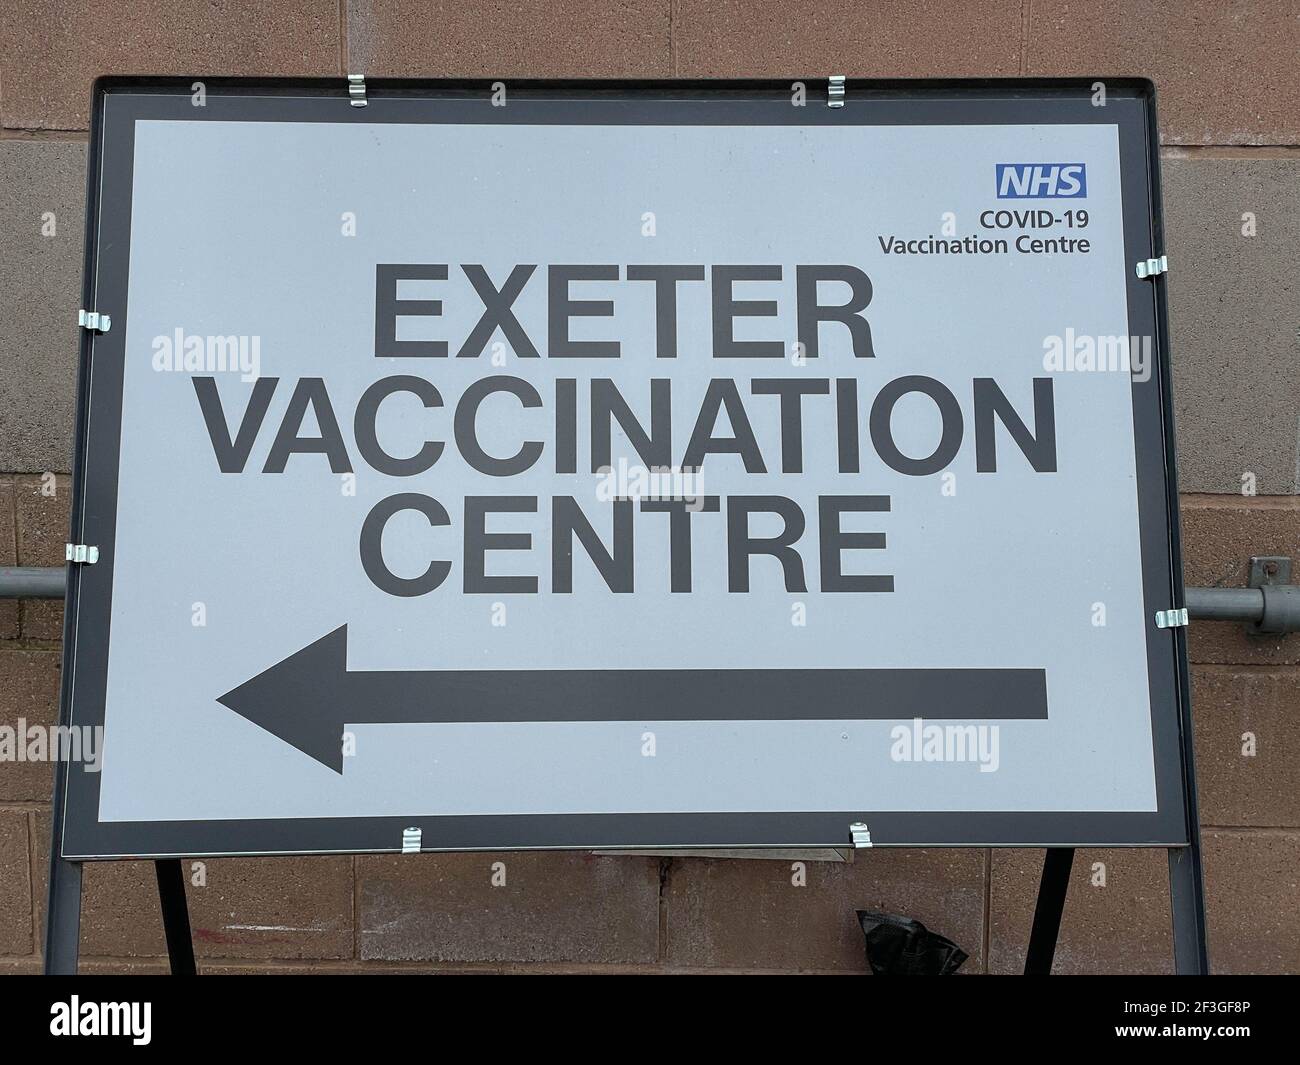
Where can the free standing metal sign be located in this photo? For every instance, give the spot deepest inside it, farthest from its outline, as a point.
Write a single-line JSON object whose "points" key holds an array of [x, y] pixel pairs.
{"points": [[563, 465]]}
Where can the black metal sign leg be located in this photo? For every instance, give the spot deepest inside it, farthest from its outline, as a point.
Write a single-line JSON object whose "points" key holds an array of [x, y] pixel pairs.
{"points": [[62, 916], [1047, 913], [175, 915], [1187, 907]]}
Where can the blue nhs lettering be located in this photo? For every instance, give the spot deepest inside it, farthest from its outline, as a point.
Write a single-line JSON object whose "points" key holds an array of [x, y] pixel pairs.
{"points": [[1036, 181]]}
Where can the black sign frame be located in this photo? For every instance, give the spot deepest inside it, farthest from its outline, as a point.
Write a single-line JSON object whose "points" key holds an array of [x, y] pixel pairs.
{"points": [[120, 102]]}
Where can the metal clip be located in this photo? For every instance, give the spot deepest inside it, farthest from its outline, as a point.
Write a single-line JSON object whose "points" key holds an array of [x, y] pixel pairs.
{"points": [[95, 322], [835, 91], [86, 553], [411, 840], [357, 89], [1171, 619], [1152, 267], [860, 835]]}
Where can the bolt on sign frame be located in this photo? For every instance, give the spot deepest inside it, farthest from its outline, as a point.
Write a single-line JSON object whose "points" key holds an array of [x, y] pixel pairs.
{"points": [[398, 258]]}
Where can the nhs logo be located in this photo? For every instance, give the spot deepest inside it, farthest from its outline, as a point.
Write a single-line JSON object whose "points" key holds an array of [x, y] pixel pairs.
{"points": [[1036, 181]]}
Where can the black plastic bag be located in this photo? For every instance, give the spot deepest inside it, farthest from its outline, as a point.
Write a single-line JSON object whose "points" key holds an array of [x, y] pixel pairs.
{"points": [[899, 946]]}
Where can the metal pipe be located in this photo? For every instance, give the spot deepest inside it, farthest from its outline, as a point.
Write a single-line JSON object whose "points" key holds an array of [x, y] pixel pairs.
{"points": [[31, 582], [1273, 609], [1281, 609], [1270, 610], [1225, 604]]}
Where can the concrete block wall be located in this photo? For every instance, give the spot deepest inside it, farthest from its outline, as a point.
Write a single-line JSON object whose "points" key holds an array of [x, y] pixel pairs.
{"points": [[1229, 91]]}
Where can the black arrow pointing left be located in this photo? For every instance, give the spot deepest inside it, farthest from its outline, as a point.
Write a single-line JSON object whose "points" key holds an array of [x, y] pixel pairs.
{"points": [[310, 698]]}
